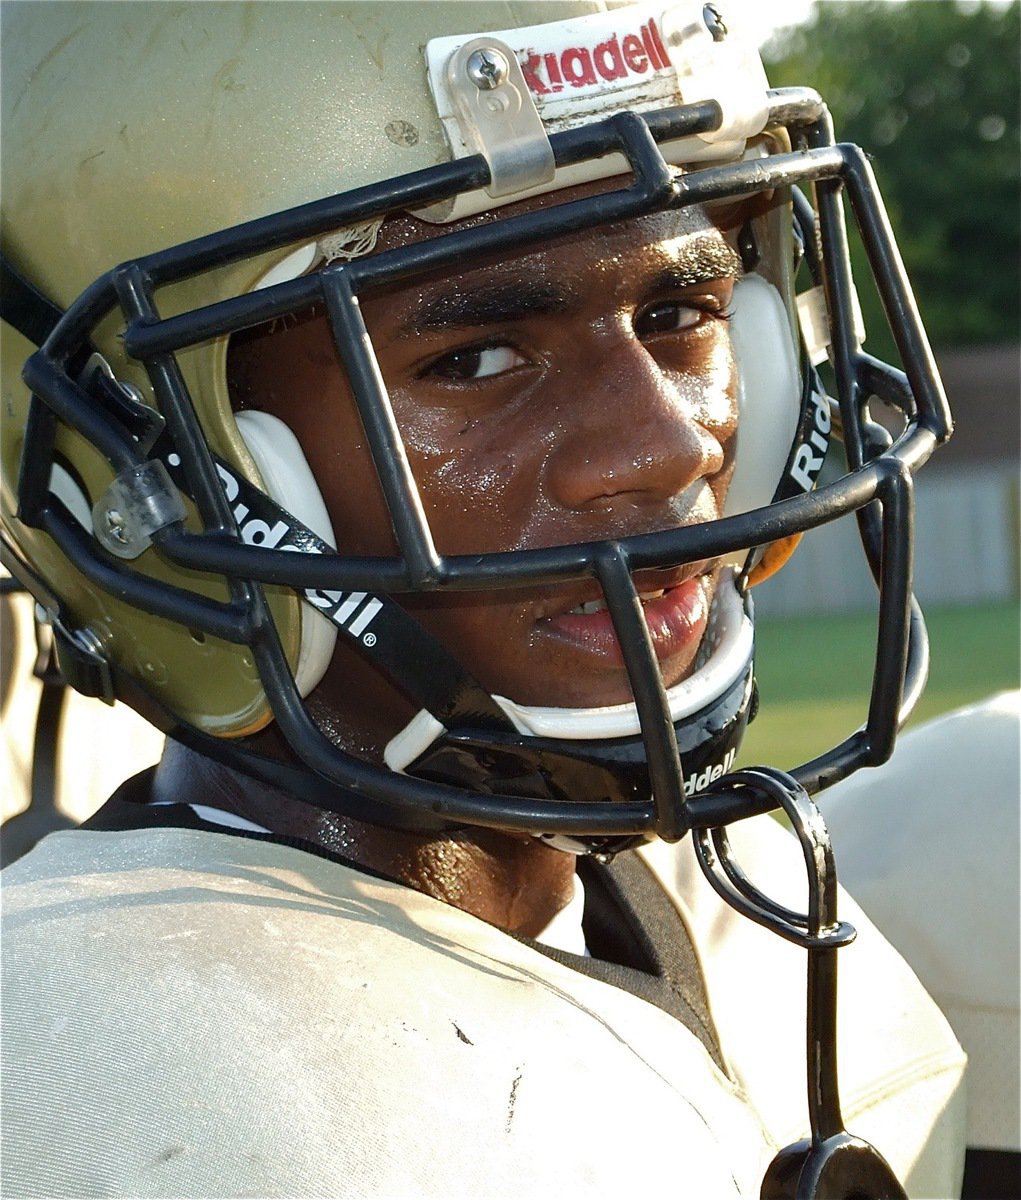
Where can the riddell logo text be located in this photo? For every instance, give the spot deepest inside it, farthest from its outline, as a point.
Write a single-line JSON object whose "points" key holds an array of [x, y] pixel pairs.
{"points": [[806, 466], [345, 609], [618, 57], [696, 783]]}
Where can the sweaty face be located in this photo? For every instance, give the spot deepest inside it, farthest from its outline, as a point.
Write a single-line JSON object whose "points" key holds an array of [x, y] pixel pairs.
{"points": [[571, 394]]}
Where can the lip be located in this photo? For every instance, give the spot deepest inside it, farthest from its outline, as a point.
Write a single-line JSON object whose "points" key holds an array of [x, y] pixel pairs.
{"points": [[676, 621]]}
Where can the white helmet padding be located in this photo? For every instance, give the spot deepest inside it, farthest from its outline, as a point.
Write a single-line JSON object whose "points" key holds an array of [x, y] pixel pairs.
{"points": [[288, 479], [769, 394]]}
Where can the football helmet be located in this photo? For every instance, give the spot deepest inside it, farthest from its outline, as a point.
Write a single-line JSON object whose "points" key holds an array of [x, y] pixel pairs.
{"points": [[239, 173]]}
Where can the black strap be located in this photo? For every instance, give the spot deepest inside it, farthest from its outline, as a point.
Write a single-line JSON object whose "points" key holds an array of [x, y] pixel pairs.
{"points": [[640, 944], [46, 744], [42, 816], [25, 307], [33, 314]]}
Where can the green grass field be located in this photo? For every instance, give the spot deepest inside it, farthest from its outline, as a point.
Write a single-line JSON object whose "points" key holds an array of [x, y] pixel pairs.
{"points": [[814, 675]]}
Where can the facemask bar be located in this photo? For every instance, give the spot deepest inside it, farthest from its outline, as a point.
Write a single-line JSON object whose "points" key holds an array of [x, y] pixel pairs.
{"points": [[245, 618]]}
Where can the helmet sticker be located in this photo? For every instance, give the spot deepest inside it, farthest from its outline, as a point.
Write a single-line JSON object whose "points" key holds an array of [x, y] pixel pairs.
{"points": [[570, 66], [639, 57], [567, 73]]}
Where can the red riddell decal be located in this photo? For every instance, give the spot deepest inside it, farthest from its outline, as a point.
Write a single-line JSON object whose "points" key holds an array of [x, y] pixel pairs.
{"points": [[581, 66]]}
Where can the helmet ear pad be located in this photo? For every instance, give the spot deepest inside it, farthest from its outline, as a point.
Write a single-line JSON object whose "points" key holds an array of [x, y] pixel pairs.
{"points": [[769, 393], [288, 480]]}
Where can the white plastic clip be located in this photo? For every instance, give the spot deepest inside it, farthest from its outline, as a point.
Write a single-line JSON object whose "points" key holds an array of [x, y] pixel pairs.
{"points": [[140, 501], [721, 66], [814, 319]]}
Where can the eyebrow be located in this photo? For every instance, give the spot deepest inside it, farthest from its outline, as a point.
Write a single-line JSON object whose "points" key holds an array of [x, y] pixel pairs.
{"points": [[701, 260], [491, 304]]}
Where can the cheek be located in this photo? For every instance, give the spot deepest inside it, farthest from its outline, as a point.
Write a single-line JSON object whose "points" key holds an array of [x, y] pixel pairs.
{"points": [[339, 457], [716, 406], [478, 476], [717, 410], [355, 500]]}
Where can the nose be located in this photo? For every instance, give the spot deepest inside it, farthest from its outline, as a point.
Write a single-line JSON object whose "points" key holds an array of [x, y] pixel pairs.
{"points": [[637, 436]]}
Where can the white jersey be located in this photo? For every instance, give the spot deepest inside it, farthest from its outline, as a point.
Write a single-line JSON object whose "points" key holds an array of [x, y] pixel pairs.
{"points": [[190, 1013], [931, 847]]}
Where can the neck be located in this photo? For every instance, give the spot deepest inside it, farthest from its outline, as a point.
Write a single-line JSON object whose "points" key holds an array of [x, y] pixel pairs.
{"points": [[512, 881]]}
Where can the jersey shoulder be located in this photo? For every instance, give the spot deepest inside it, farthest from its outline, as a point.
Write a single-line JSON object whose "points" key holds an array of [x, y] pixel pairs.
{"points": [[193, 985], [901, 1069]]}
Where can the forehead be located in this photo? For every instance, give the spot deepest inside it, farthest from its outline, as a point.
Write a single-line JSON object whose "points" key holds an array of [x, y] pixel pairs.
{"points": [[675, 249]]}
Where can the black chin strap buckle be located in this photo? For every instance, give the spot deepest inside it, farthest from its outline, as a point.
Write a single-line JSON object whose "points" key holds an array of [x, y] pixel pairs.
{"points": [[831, 1164]]}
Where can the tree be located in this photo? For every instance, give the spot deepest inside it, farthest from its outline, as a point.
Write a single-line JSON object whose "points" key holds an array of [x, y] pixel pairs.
{"points": [[931, 89]]}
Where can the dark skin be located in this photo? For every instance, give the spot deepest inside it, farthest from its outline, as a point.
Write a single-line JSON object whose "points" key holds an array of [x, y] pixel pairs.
{"points": [[571, 393]]}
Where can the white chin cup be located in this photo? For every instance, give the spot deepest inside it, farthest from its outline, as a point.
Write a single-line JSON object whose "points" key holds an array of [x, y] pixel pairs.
{"points": [[288, 480], [726, 650], [769, 395]]}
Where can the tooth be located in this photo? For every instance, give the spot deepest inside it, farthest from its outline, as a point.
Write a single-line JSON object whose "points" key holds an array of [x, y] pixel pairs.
{"points": [[588, 608]]}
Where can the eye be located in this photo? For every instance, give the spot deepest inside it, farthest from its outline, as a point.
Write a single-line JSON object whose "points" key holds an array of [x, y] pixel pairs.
{"points": [[668, 317], [678, 317], [475, 362]]}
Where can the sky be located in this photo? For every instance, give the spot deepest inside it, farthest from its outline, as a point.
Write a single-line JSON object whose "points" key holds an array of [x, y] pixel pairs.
{"points": [[762, 17]]}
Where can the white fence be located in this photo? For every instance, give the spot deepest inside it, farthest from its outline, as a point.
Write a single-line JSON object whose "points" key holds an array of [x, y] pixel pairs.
{"points": [[966, 550]]}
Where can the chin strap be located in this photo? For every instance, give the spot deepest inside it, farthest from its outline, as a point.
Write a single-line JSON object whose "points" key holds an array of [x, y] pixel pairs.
{"points": [[831, 1164], [608, 770]]}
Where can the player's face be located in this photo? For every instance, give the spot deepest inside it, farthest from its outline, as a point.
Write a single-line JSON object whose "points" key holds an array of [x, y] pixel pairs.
{"points": [[582, 391]]}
